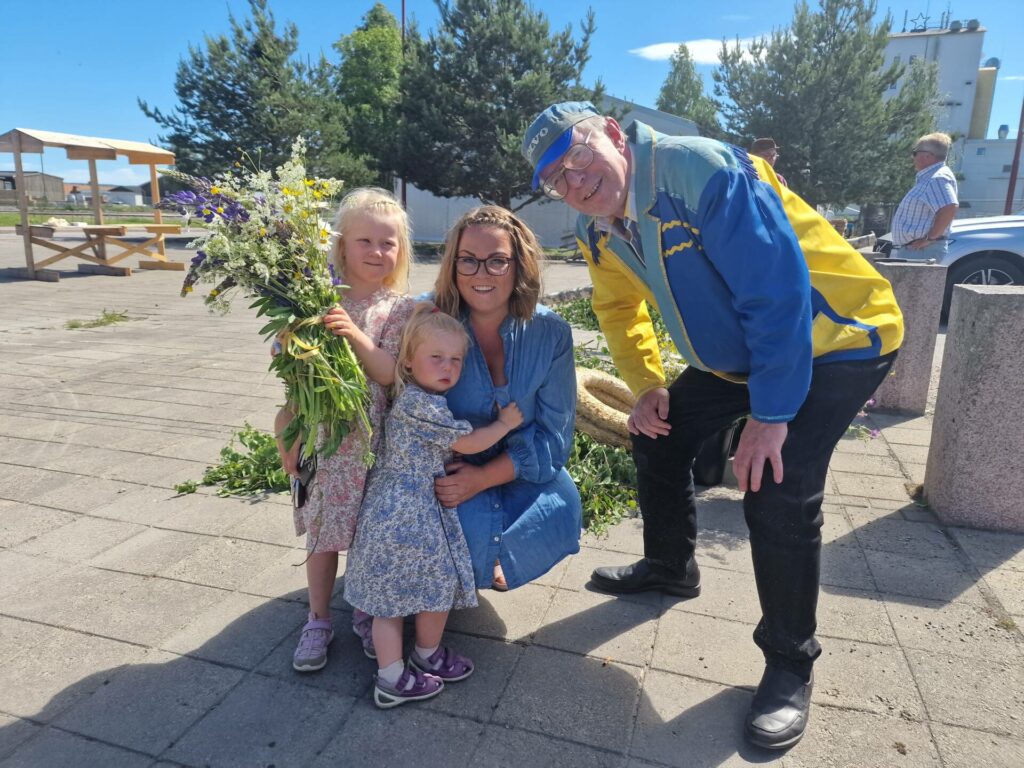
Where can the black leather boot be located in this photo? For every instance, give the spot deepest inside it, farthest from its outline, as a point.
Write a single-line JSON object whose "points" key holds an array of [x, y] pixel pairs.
{"points": [[646, 575], [780, 709]]}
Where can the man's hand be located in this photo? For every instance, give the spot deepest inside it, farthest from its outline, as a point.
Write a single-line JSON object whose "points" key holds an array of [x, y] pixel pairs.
{"points": [[463, 482], [650, 413], [759, 443], [919, 244]]}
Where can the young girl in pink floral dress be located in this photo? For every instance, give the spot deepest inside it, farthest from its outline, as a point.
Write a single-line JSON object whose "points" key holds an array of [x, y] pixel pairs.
{"points": [[372, 251]]}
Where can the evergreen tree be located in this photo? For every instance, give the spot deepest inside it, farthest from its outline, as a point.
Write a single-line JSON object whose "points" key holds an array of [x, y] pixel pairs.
{"points": [[244, 90], [818, 87], [682, 94], [368, 84], [471, 87]]}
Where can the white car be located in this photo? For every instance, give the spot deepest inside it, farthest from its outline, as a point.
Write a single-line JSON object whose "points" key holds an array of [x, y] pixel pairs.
{"points": [[983, 251]]}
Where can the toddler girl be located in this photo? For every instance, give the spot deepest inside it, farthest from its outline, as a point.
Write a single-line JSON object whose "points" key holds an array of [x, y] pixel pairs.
{"points": [[371, 253], [409, 555]]}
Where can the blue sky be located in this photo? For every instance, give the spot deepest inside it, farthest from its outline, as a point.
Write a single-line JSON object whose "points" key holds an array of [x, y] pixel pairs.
{"points": [[78, 68]]}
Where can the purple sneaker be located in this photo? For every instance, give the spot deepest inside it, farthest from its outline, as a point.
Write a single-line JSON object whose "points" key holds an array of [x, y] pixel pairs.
{"points": [[362, 626], [311, 653], [413, 685], [445, 663]]}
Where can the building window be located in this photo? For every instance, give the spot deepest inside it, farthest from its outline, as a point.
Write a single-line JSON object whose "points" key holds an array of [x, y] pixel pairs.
{"points": [[1006, 168], [981, 151]]}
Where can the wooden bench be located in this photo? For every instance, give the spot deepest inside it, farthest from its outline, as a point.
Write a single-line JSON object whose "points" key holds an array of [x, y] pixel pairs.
{"points": [[98, 238]]}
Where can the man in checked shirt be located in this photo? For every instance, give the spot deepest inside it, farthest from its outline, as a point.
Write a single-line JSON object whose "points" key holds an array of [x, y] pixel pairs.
{"points": [[922, 220]]}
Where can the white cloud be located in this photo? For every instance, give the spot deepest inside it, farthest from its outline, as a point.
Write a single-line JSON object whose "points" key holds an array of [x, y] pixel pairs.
{"points": [[128, 177], [703, 51], [1012, 77]]}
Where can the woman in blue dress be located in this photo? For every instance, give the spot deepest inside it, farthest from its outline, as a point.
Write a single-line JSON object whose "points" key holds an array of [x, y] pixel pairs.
{"points": [[520, 511]]}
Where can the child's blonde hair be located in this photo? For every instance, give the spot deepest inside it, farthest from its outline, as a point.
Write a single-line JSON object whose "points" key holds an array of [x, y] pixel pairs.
{"points": [[379, 202], [426, 319]]}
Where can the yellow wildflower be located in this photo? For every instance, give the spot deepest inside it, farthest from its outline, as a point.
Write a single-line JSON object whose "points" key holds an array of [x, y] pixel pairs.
{"points": [[213, 293], [214, 190]]}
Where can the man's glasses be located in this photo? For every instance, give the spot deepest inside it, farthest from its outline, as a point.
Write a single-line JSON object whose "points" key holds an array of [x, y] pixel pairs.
{"points": [[576, 158], [917, 152], [495, 265]]}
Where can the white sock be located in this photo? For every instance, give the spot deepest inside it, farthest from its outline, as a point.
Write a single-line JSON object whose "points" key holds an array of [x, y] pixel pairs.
{"points": [[426, 653], [391, 672]]}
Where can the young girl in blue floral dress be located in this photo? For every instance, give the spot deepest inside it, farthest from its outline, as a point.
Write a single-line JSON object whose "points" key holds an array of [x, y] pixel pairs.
{"points": [[409, 555], [372, 250]]}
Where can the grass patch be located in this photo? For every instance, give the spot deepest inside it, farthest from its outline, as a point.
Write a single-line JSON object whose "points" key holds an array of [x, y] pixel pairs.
{"points": [[251, 468], [106, 317], [606, 478]]}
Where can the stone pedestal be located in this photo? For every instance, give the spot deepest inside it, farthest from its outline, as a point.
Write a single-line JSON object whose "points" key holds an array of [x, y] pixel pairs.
{"points": [[918, 289], [975, 473]]}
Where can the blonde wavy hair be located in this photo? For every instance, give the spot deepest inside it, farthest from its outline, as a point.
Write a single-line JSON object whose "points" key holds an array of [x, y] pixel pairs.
{"points": [[425, 320], [374, 201], [526, 253]]}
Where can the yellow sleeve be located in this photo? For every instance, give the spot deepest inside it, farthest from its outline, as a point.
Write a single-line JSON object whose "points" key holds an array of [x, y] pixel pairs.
{"points": [[620, 303]]}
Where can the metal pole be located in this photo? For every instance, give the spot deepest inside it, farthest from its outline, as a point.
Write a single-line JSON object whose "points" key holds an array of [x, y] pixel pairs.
{"points": [[403, 58], [1015, 166]]}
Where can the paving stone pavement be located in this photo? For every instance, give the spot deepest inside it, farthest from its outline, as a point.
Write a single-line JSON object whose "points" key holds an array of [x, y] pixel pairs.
{"points": [[143, 628]]}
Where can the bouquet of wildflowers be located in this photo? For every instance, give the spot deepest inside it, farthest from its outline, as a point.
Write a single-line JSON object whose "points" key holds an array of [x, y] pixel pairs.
{"points": [[268, 239]]}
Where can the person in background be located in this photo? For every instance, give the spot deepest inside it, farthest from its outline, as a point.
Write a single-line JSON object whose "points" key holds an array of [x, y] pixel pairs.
{"points": [[768, 151], [922, 219]]}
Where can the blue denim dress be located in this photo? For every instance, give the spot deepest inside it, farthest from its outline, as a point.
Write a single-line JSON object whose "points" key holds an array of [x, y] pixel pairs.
{"points": [[534, 521]]}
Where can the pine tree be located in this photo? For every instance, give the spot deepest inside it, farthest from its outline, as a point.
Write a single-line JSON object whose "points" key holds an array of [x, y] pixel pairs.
{"points": [[818, 88], [472, 86], [682, 94]]}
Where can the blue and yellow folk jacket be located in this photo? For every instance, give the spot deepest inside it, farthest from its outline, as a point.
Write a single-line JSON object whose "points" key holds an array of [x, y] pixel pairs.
{"points": [[753, 284]]}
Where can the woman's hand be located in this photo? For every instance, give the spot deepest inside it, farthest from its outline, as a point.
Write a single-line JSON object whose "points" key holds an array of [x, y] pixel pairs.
{"points": [[289, 458], [510, 416], [463, 482]]}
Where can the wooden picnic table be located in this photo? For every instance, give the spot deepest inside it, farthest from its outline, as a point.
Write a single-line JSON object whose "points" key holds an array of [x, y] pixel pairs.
{"points": [[101, 240]]}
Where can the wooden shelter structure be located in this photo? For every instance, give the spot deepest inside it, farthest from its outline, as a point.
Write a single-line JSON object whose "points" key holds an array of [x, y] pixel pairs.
{"points": [[21, 140]]}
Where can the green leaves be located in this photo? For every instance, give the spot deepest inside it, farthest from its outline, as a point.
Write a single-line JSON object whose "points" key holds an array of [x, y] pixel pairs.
{"points": [[253, 468], [606, 479]]}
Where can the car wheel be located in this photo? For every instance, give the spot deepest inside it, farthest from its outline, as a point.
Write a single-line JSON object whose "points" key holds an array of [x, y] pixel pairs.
{"points": [[985, 269]]}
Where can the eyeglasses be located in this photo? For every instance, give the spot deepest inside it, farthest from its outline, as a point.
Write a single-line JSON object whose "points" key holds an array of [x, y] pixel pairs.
{"points": [[917, 152], [495, 265], [576, 158]]}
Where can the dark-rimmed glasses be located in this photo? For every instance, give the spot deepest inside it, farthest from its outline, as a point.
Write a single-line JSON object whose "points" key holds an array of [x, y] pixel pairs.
{"points": [[470, 265], [576, 158]]}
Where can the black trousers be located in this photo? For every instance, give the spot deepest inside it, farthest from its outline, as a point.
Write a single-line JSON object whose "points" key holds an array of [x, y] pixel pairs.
{"points": [[784, 518]]}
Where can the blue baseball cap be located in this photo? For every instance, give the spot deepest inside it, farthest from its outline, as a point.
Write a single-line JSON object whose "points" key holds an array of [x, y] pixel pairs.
{"points": [[550, 133]]}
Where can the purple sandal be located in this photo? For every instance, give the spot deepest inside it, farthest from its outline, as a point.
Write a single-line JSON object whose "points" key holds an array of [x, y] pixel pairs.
{"points": [[362, 627], [424, 686], [445, 663]]}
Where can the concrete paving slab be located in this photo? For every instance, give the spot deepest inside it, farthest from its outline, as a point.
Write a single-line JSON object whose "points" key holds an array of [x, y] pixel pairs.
{"points": [[693, 724], [51, 669], [511, 616], [240, 631], [1008, 587], [909, 454], [156, 700], [845, 567], [270, 524], [29, 483], [57, 749], [554, 577], [600, 626], [901, 537], [224, 563], [479, 695], [985, 694], [724, 594], [202, 513], [85, 494], [151, 551], [20, 522], [868, 678], [264, 721], [501, 747], [865, 464], [966, 748], [991, 549], [854, 614], [14, 731], [955, 628], [426, 738], [839, 737], [626, 536], [285, 578], [85, 538], [19, 572], [571, 697], [852, 444], [110, 604], [873, 486], [943, 579], [707, 648]]}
